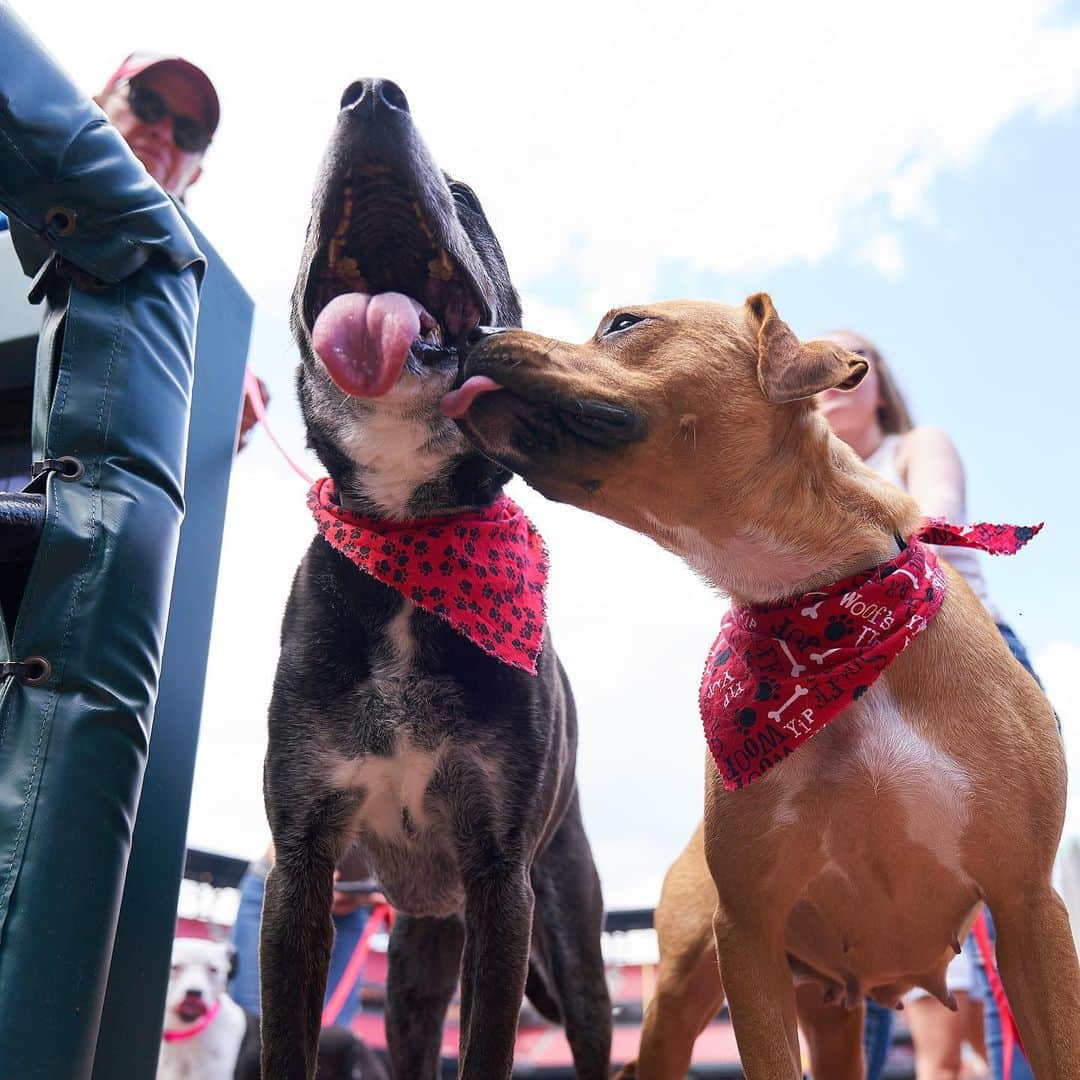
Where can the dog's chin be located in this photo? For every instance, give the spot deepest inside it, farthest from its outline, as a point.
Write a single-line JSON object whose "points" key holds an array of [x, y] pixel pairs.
{"points": [[419, 389], [493, 425]]}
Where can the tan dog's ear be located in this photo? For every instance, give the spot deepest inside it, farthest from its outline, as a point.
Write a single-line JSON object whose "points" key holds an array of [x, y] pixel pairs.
{"points": [[789, 370]]}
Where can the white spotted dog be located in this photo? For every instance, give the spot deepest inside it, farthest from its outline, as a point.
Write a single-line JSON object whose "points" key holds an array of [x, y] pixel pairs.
{"points": [[204, 1028]]}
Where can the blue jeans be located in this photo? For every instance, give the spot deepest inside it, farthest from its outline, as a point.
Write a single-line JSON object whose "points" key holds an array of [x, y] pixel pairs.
{"points": [[244, 987], [877, 1038]]}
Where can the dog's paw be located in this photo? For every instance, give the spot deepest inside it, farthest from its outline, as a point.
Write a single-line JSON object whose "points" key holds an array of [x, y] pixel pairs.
{"points": [[839, 627]]}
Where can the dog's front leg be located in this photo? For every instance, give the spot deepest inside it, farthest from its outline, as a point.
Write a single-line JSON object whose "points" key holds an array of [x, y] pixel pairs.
{"points": [[760, 993], [297, 930], [498, 928], [294, 957], [1039, 971]]}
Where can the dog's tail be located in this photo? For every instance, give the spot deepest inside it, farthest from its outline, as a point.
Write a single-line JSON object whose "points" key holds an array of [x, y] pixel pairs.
{"points": [[538, 990]]}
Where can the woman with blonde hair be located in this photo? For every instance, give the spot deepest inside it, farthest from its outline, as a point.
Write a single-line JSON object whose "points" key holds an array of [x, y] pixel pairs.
{"points": [[873, 419]]}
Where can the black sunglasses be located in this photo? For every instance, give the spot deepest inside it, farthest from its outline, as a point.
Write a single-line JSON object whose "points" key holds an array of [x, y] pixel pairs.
{"points": [[149, 107]]}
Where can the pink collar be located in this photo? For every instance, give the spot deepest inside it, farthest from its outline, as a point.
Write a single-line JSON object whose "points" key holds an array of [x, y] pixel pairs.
{"points": [[197, 1028]]}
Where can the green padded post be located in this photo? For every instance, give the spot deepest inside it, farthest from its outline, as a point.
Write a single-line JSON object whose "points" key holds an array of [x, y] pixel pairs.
{"points": [[130, 1035]]}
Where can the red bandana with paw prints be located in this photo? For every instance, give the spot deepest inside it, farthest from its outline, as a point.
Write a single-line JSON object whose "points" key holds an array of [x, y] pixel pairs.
{"points": [[481, 571], [778, 673]]}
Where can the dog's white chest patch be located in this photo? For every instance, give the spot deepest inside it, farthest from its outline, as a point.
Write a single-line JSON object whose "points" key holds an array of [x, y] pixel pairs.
{"points": [[877, 755], [394, 788], [398, 455]]}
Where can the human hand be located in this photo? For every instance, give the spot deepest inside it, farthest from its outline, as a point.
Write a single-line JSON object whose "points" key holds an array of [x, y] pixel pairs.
{"points": [[348, 900], [249, 419]]}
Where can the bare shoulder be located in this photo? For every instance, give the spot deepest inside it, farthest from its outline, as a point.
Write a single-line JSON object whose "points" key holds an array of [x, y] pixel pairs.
{"points": [[925, 443]]}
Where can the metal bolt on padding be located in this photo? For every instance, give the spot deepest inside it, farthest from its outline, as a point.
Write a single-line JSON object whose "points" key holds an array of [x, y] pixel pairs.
{"points": [[67, 468], [33, 671]]}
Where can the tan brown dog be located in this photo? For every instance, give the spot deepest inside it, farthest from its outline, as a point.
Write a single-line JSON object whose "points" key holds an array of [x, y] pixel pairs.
{"points": [[860, 860]]}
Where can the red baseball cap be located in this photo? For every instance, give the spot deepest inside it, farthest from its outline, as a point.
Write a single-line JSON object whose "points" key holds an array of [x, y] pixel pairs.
{"points": [[138, 62]]}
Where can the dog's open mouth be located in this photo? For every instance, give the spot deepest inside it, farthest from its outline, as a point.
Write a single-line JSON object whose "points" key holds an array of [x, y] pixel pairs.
{"points": [[191, 1009], [387, 292]]}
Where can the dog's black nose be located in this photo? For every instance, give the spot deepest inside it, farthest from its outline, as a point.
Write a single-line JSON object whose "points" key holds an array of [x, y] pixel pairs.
{"points": [[192, 992], [481, 333], [378, 93]]}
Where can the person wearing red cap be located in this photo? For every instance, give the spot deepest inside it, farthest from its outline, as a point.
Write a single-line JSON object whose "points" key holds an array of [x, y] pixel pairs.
{"points": [[167, 110]]}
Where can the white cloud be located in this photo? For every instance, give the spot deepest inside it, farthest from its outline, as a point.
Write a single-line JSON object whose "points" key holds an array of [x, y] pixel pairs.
{"points": [[1058, 665], [884, 253]]}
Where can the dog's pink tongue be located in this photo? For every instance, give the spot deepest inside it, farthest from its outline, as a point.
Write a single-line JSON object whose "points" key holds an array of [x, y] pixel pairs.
{"points": [[457, 403], [364, 340]]}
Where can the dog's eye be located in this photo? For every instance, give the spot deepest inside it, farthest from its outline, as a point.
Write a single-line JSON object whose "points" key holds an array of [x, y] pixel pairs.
{"points": [[465, 196], [213, 971], [622, 322]]}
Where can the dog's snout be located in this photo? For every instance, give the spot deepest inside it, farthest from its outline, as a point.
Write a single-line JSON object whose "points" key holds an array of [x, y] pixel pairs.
{"points": [[376, 93], [480, 333], [391, 94], [354, 93]]}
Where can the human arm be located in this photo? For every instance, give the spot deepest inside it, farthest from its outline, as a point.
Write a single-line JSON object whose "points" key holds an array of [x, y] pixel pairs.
{"points": [[933, 473]]}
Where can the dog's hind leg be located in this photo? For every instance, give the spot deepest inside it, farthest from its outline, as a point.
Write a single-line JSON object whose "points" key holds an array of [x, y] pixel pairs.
{"points": [[689, 990], [570, 909], [1039, 970], [298, 934], [424, 961]]}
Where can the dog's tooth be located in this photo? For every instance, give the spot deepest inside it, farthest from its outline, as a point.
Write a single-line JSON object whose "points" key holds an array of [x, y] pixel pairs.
{"points": [[346, 213], [425, 228], [441, 266]]}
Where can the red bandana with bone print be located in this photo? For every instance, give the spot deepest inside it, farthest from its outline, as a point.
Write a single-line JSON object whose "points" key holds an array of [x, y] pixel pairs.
{"points": [[481, 571], [778, 673]]}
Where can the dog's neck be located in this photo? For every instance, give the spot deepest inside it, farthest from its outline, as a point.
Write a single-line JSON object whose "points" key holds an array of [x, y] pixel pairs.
{"points": [[807, 515], [402, 466]]}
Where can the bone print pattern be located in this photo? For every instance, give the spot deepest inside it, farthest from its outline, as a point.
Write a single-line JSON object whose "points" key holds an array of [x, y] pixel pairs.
{"points": [[483, 571], [819, 652]]}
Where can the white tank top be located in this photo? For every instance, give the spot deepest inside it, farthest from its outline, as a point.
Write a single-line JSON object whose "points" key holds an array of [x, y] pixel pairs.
{"points": [[964, 561]]}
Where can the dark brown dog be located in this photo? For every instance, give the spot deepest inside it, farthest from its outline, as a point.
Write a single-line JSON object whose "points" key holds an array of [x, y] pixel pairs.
{"points": [[862, 858], [452, 771]]}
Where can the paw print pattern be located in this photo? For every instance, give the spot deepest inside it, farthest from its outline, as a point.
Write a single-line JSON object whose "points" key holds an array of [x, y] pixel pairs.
{"points": [[767, 690], [443, 565], [838, 628]]}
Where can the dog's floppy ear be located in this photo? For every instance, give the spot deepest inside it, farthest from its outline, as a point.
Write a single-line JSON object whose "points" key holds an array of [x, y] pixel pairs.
{"points": [[788, 369]]}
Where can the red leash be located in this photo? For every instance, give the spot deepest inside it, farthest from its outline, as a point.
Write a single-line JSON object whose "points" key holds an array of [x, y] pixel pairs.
{"points": [[1010, 1035], [380, 914], [254, 399]]}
